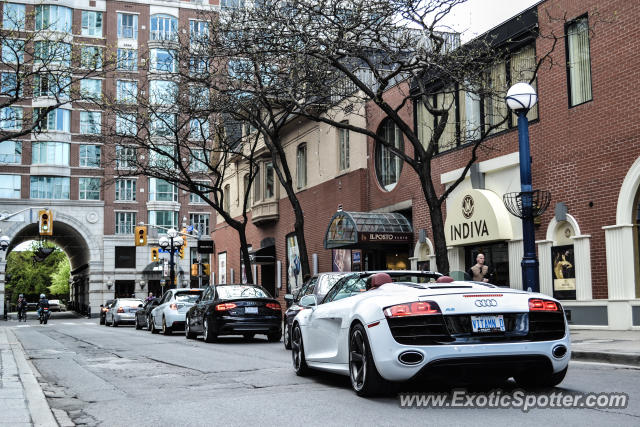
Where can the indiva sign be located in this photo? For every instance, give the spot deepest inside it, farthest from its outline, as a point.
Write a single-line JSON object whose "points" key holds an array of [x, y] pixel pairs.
{"points": [[469, 230]]}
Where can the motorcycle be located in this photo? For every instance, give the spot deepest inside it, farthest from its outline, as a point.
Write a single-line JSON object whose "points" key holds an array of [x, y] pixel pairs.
{"points": [[44, 315]]}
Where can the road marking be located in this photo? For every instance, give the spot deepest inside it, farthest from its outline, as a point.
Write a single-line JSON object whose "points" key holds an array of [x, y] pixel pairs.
{"points": [[23, 326], [69, 323]]}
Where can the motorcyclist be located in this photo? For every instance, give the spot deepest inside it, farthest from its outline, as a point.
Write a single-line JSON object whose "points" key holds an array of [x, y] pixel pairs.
{"points": [[43, 303], [22, 307]]}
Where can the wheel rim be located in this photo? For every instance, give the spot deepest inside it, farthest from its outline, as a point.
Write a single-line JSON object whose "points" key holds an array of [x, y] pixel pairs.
{"points": [[187, 330], [357, 360], [164, 326], [296, 348], [206, 328], [287, 335]]}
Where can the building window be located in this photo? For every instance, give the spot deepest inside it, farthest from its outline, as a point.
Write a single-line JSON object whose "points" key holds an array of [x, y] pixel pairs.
{"points": [[91, 57], [245, 189], [13, 16], [10, 186], [195, 198], [52, 52], [165, 219], [89, 188], [54, 18], [126, 91], [200, 222], [343, 149], [162, 124], [163, 61], [231, 4], [90, 122], [53, 85], [578, 61], [198, 162], [13, 51], [162, 157], [269, 181], [257, 186], [226, 203], [199, 97], [90, 156], [126, 189], [199, 129], [301, 162], [49, 187], [388, 165], [162, 191], [127, 60], [125, 222], [126, 124], [91, 89], [91, 23], [198, 32], [163, 92], [164, 27], [50, 153], [11, 118], [199, 64], [125, 257], [58, 120], [11, 152], [125, 157], [127, 26], [9, 85]]}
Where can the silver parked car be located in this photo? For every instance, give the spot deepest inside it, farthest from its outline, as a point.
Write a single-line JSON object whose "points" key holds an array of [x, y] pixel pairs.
{"points": [[169, 315], [123, 310]]}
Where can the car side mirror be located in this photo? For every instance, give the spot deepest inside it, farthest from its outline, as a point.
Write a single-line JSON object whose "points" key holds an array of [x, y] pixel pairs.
{"points": [[139, 305], [309, 301], [288, 297]]}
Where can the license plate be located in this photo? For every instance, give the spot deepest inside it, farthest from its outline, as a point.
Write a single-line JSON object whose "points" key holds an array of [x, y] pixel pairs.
{"points": [[251, 310], [487, 323]]}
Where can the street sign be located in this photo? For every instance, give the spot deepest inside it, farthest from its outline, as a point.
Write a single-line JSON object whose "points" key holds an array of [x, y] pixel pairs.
{"points": [[190, 229], [205, 246], [165, 269]]}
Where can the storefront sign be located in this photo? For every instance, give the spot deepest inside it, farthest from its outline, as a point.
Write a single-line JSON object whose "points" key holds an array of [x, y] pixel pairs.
{"points": [[386, 237], [205, 246], [477, 216]]}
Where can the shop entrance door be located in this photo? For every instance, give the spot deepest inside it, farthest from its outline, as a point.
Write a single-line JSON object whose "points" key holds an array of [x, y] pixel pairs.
{"points": [[267, 277], [496, 256]]}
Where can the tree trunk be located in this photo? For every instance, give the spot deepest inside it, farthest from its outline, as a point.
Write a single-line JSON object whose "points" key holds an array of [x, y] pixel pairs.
{"points": [[244, 252], [439, 239]]}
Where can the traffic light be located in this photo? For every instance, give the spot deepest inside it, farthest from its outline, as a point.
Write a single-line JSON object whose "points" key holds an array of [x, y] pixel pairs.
{"points": [[205, 269], [184, 237], [141, 235], [155, 255], [181, 252], [45, 222], [194, 269]]}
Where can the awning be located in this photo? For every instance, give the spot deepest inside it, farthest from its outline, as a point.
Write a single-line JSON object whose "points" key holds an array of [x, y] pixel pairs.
{"points": [[350, 229], [153, 271], [266, 255]]}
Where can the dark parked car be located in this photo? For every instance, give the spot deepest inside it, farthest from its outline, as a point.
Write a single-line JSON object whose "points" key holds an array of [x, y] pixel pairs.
{"points": [[317, 285], [234, 310], [320, 289], [104, 308], [142, 315]]}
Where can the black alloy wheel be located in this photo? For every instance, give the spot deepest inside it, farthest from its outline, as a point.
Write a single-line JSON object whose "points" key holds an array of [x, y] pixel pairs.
{"points": [[209, 336], [287, 336], [166, 330], [138, 325], [297, 353], [152, 326], [365, 379]]}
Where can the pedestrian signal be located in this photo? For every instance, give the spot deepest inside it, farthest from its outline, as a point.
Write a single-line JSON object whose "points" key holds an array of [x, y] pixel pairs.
{"points": [[45, 222]]}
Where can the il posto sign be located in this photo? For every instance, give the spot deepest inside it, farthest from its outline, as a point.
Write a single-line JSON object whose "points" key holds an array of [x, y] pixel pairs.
{"points": [[477, 216], [385, 237]]}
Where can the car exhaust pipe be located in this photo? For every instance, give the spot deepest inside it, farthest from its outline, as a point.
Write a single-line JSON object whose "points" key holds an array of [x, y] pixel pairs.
{"points": [[559, 351], [410, 357]]}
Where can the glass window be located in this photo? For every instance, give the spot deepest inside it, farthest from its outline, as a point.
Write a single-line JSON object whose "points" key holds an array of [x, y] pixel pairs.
{"points": [[53, 85], [162, 156], [163, 92], [578, 61], [49, 187], [9, 85], [269, 181], [495, 109], [343, 149], [90, 156], [346, 288], [199, 32], [10, 152], [162, 124], [126, 189], [126, 124], [50, 153], [125, 157], [125, 222], [13, 51], [10, 186], [164, 60], [89, 188], [91, 23], [196, 199], [257, 186], [199, 129], [58, 120], [472, 123], [199, 97], [162, 191], [127, 60], [198, 163], [91, 88], [126, 91], [91, 57], [166, 219], [90, 122], [232, 4], [164, 27], [301, 162], [127, 26], [52, 52], [523, 65], [53, 18], [199, 64], [11, 118], [200, 222], [13, 16], [388, 165]]}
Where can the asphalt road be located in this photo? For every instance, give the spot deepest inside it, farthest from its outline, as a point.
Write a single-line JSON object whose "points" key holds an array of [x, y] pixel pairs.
{"points": [[123, 377]]}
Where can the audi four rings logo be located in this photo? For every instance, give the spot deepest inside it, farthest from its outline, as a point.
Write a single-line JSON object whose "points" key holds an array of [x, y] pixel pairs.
{"points": [[486, 303]]}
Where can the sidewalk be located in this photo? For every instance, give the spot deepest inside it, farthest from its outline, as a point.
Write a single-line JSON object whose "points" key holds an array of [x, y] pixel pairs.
{"points": [[621, 347], [21, 399]]}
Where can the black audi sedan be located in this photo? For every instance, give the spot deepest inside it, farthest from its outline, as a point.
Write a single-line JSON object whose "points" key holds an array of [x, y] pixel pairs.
{"points": [[144, 311], [236, 309]]}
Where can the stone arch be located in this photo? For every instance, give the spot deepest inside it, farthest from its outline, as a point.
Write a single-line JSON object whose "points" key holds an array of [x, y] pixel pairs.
{"points": [[553, 224], [423, 251], [627, 195]]}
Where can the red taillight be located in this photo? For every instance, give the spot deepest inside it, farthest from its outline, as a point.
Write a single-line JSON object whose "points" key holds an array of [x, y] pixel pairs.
{"points": [[225, 307], [536, 304], [173, 306], [273, 306], [104, 310], [418, 308], [120, 310]]}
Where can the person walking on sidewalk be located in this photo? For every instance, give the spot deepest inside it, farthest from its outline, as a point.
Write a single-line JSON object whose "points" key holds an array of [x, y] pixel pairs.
{"points": [[22, 308]]}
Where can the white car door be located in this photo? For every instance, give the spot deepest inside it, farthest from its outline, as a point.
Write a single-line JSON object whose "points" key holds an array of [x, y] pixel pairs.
{"points": [[156, 313]]}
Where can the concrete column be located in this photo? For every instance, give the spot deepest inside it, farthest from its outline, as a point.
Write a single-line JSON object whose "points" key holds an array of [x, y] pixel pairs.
{"points": [[545, 269], [582, 265], [515, 250], [620, 261], [3, 268], [432, 263], [413, 261]]}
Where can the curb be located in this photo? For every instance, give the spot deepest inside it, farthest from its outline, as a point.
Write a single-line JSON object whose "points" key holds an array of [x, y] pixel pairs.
{"points": [[598, 356], [39, 408]]}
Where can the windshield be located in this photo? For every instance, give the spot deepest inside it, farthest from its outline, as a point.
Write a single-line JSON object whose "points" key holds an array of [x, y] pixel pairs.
{"points": [[240, 291], [130, 303], [327, 281], [190, 296]]}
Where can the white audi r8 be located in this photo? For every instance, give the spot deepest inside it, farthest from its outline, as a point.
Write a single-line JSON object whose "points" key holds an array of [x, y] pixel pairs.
{"points": [[376, 331]]}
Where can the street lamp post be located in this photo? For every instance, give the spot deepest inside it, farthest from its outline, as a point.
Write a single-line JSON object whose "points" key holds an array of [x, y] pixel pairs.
{"points": [[171, 243], [520, 98]]}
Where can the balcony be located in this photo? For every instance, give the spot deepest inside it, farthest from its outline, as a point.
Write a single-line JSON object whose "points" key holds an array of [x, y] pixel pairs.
{"points": [[264, 212]]}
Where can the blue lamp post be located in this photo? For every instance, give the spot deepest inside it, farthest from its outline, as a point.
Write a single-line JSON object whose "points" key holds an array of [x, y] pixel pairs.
{"points": [[520, 98]]}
